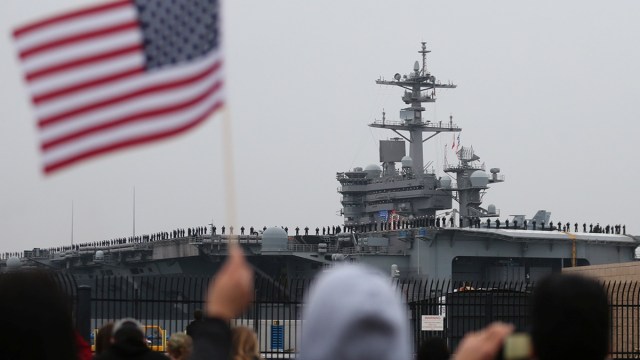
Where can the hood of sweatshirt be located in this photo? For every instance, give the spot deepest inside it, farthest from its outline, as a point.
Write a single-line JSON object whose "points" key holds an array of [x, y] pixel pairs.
{"points": [[354, 312]]}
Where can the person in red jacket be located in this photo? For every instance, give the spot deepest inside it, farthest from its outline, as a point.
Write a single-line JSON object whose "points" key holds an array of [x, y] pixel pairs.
{"points": [[83, 348]]}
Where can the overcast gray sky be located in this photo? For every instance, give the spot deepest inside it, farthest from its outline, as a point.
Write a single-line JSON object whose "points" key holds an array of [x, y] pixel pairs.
{"points": [[547, 91]]}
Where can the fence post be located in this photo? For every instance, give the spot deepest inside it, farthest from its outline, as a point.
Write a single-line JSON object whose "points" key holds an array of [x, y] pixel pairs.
{"points": [[83, 312]]}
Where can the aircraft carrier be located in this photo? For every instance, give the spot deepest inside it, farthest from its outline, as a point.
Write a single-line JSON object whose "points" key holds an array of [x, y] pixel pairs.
{"points": [[400, 215]]}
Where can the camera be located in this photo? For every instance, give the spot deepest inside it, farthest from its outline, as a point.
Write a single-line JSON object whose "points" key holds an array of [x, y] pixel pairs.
{"points": [[516, 346]]}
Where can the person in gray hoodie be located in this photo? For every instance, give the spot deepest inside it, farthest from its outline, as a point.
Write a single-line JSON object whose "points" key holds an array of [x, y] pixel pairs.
{"points": [[353, 312]]}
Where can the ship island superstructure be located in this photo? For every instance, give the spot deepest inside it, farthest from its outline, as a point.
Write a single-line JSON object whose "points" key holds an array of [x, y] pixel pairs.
{"points": [[383, 193], [398, 215]]}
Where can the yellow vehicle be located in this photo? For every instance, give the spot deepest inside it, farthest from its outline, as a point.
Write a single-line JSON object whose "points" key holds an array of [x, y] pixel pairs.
{"points": [[155, 336]]}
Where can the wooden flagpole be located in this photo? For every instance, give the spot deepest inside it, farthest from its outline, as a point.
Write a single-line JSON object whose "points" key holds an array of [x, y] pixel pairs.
{"points": [[229, 171]]}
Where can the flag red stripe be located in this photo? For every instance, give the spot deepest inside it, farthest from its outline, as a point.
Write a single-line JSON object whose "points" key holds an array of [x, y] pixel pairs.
{"points": [[79, 37], [83, 61], [68, 16], [144, 91], [86, 85], [48, 169], [142, 116]]}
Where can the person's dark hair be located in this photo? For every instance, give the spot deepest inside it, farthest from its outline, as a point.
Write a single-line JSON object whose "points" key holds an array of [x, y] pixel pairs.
{"points": [[36, 318], [570, 319], [434, 348], [103, 338], [197, 314], [128, 331]]}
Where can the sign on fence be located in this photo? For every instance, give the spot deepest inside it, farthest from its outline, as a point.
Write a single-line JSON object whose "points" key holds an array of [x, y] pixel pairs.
{"points": [[432, 323]]}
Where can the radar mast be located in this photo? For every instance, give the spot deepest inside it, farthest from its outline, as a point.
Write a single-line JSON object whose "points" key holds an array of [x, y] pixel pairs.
{"points": [[420, 87]]}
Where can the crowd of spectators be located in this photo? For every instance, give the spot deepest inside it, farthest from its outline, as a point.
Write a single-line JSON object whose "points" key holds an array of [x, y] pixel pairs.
{"points": [[351, 313]]}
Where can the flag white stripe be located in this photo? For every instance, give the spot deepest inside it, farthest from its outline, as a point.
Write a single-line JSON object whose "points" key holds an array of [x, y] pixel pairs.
{"points": [[109, 90], [85, 23], [84, 73], [130, 131], [76, 51], [134, 105]]}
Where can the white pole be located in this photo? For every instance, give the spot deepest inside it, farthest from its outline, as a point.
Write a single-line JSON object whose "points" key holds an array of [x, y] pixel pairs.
{"points": [[134, 211], [230, 181], [71, 222]]}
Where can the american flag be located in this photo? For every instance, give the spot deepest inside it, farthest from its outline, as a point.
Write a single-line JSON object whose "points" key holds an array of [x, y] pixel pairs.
{"points": [[120, 74]]}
